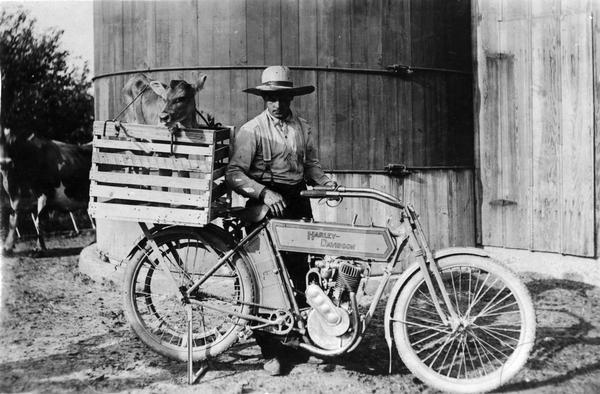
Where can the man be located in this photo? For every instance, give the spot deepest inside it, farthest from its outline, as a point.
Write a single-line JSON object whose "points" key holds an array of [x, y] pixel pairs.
{"points": [[274, 157]]}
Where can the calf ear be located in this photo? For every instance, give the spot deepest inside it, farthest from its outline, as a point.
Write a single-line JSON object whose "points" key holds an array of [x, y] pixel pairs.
{"points": [[159, 89], [199, 82]]}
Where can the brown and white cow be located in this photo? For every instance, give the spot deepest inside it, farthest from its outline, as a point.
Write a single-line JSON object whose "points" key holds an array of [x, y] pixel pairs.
{"points": [[159, 104], [172, 106], [53, 173]]}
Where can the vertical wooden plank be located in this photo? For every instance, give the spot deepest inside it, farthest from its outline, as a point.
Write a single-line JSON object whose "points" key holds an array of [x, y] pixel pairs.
{"points": [[308, 106], [128, 39], [290, 32], [421, 31], [139, 38], [438, 223], [116, 54], [540, 8], [175, 37], [204, 20], [151, 34], [421, 48], [273, 32], [238, 114], [307, 32], [343, 85], [461, 208], [488, 74], [545, 113], [220, 12], [515, 9], [569, 7], [326, 83], [256, 51], [359, 109], [577, 135], [99, 48], [376, 133], [517, 142], [189, 28], [491, 218], [596, 62], [162, 31], [204, 28], [395, 39]]}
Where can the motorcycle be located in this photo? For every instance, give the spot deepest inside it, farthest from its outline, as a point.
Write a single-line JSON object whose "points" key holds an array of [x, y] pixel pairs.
{"points": [[459, 320]]}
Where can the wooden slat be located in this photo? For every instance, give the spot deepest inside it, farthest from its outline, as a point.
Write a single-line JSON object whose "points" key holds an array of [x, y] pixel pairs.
{"points": [[491, 218], [273, 32], [596, 60], [290, 20], [516, 164], [149, 180], [150, 147], [171, 163], [151, 132], [142, 213], [145, 195], [326, 83], [577, 135], [545, 113], [220, 48], [255, 51]]}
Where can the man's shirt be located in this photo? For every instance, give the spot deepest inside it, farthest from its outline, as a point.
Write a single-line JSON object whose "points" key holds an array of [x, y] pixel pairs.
{"points": [[288, 143]]}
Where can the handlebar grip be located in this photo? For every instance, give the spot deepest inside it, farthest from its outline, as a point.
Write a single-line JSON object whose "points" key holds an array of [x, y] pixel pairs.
{"points": [[328, 188], [313, 193]]}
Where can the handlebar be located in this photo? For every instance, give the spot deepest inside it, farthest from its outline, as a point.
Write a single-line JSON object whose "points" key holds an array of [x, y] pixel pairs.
{"points": [[335, 192]]}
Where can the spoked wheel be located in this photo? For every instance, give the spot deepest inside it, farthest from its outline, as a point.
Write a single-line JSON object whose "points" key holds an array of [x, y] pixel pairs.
{"points": [[153, 289], [489, 341]]}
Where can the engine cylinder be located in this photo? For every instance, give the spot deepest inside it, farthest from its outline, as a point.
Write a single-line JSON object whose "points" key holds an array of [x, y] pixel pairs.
{"points": [[349, 275]]}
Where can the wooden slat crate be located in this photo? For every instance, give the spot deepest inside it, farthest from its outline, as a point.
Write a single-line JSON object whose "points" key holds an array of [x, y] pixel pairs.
{"points": [[142, 173]]}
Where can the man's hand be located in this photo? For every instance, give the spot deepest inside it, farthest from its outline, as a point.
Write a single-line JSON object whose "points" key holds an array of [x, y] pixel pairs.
{"points": [[274, 201]]}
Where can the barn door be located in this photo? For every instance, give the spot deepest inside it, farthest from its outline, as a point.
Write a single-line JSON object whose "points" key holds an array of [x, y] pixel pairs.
{"points": [[536, 133]]}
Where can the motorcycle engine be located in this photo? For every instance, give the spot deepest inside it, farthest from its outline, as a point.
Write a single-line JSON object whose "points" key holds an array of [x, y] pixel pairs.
{"points": [[329, 284]]}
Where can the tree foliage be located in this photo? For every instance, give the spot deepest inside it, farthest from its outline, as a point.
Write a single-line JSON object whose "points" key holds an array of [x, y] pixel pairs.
{"points": [[40, 92]]}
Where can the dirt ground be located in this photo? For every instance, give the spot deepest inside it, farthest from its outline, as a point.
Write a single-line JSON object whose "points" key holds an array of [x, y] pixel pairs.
{"points": [[63, 332]]}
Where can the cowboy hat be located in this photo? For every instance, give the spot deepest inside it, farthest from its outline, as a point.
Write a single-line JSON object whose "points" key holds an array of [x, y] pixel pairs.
{"points": [[276, 79]]}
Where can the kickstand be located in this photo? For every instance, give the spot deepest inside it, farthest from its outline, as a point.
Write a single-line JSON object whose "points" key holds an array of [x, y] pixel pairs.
{"points": [[192, 376]]}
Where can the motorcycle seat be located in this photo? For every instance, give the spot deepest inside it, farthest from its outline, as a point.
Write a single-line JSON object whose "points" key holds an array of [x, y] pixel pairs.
{"points": [[252, 214]]}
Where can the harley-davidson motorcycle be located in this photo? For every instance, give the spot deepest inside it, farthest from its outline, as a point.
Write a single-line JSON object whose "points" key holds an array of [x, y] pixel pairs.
{"points": [[459, 320]]}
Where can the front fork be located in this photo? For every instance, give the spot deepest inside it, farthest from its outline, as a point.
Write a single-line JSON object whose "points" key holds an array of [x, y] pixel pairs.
{"points": [[429, 267]]}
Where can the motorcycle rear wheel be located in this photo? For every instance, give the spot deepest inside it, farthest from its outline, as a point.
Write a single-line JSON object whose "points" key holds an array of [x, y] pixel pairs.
{"points": [[152, 296], [490, 343]]}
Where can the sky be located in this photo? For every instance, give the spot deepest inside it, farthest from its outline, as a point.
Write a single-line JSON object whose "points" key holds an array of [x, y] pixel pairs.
{"points": [[75, 17]]}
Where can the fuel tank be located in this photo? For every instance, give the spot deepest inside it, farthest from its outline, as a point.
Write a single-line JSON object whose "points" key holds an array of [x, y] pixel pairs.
{"points": [[363, 242]]}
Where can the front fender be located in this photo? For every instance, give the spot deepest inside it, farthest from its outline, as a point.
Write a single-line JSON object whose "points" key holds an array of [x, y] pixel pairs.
{"points": [[408, 273]]}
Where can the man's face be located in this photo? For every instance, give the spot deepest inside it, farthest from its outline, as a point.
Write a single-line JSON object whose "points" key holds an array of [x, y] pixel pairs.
{"points": [[278, 105]]}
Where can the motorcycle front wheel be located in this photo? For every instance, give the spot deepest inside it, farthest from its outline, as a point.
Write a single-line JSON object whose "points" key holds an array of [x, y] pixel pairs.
{"points": [[488, 343], [153, 288]]}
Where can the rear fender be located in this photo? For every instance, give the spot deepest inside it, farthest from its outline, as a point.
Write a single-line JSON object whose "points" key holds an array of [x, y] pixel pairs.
{"points": [[407, 274], [213, 234]]}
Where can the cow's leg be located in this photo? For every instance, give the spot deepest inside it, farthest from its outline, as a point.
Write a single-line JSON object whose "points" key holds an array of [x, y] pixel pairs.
{"points": [[9, 242], [42, 212]]}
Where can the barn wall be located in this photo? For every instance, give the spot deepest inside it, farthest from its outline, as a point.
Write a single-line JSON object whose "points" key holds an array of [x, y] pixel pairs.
{"points": [[363, 120], [536, 124]]}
